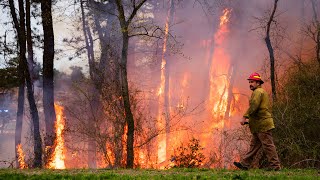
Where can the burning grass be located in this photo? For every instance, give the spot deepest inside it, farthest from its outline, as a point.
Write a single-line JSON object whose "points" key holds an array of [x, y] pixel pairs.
{"points": [[157, 174]]}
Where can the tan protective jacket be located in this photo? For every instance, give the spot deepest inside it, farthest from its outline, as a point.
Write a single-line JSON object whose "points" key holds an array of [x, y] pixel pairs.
{"points": [[260, 118]]}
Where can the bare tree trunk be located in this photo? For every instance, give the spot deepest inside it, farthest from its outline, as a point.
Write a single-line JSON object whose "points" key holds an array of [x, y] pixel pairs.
{"points": [[206, 88], [301, 40], [92, 160], [30, 93], [126, 101], [167, 78], [231, 76], [22, 83], [271, 52], [48, 85], [35, 117], [20, 110], [20, 27], [124, 79], [119, 131], [31, 63], [88, 40], [317, 33]]}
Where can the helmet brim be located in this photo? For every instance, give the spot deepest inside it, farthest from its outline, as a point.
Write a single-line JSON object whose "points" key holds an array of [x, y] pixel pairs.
{"points": [[261, 82]]}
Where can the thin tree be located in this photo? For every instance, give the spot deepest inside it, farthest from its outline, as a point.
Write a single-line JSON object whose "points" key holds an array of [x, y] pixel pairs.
{"points": [[21, 31], [48, 85], [271, 51], [31, 63], [166, 70], [125, 23], [104, 71], [91, 61]]}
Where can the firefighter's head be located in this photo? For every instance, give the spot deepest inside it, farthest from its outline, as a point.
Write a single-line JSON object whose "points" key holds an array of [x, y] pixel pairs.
{"points": [[255, 81]]}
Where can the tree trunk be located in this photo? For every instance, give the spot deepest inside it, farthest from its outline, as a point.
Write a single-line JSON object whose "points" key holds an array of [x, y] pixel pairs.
{"points": [[92, 160], [271, 53], [272, 68], [20, 27], [206, 88], [231, 76], [126, 101], [20, 109], [48, 85], [35, 117], [124, 79], [88, 40], [31, 63], [18, 130], [167, 78], [302, 20], [32, 103]]}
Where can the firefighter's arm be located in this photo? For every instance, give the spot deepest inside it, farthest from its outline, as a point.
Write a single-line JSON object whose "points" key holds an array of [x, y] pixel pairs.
{"points": [[254, 104]]}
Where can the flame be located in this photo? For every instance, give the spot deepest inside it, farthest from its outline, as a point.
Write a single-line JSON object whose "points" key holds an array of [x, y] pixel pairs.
{"points": [[58, 156], [179, 88], [224, 19], [219, 68], [162, 144], [22, 164], [218, 94]]}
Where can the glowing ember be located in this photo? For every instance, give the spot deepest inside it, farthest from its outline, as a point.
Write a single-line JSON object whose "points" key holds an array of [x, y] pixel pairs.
{"points": [[22, 164], [58, 156], [224, 19]]}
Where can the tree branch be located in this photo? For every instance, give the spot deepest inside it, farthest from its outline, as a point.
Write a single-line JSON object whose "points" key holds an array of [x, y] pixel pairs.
{"points": [[271, 17], [14, 15], [135, 10]]}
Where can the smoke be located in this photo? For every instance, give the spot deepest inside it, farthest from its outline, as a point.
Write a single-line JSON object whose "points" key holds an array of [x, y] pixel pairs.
{"points": [[191, 44], [200, 63], [7, 128]]}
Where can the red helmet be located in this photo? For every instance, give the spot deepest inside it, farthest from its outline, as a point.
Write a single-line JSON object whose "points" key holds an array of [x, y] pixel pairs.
{"points": [[256, 77]]}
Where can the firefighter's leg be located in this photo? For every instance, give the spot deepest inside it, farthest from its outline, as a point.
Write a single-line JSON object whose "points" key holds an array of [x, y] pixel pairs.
{"points": [[255, 146], [269, 149]]}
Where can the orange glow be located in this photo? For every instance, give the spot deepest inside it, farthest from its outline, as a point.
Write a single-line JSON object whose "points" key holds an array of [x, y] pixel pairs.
{"points": [[219, 70], [58, 155], [21, 156], [224, 19], [218, 94], [161, 125]]}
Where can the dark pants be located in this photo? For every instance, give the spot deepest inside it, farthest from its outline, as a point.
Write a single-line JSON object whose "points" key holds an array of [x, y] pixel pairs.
{"points": [[262, 140]]}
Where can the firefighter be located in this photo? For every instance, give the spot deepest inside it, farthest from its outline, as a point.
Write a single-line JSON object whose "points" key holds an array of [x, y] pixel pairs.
{"points": [[260, 123]]}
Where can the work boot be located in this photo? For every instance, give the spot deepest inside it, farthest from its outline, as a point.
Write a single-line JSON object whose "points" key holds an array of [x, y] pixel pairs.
{"points": [[240, 166]]}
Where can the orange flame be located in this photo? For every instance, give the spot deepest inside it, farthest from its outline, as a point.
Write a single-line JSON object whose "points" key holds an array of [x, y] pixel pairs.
{"points": [[58, 156], [220, 65], [219, 85], [224, 19], [22, 164], [161, 122]]}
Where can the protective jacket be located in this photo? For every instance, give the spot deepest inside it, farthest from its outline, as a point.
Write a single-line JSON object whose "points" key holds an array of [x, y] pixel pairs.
{"points": [[260, 118]]}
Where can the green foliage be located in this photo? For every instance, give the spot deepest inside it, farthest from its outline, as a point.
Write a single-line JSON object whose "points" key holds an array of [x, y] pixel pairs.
{"points": [[9, 75], [297, 117], [189, 156]]}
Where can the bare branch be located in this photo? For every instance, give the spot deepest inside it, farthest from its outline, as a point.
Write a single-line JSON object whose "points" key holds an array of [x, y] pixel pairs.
{"points": [[135, 10]]}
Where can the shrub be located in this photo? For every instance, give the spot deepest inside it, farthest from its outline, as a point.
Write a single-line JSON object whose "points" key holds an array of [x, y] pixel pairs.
{"points": [[189, 156], [297, 117]]}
